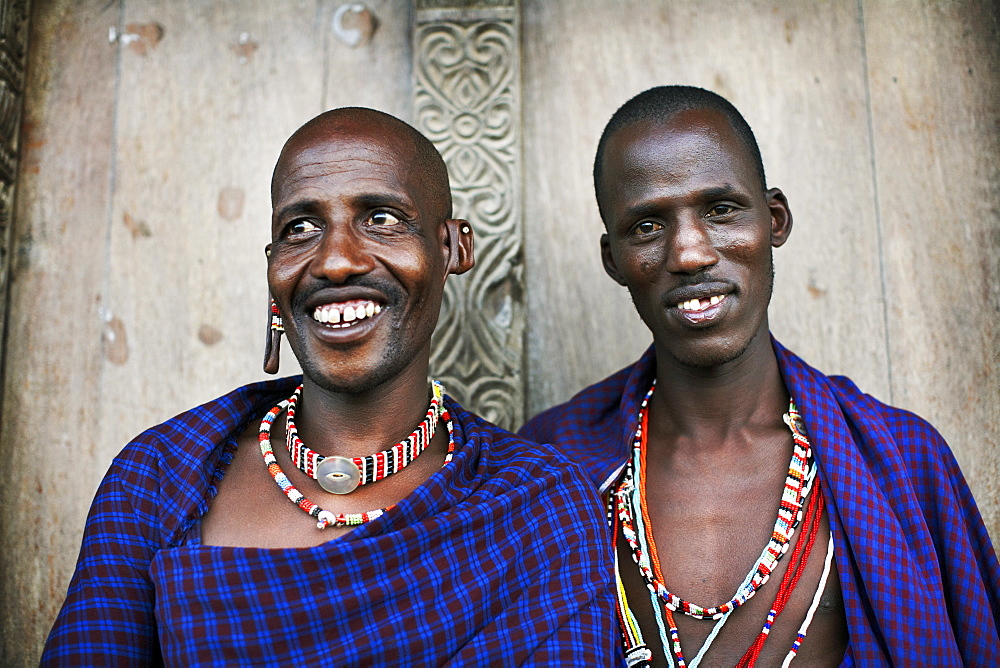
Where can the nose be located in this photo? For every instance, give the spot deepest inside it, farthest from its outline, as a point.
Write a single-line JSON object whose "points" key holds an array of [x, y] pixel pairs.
{"points": [[342, 253], [690, 247]]}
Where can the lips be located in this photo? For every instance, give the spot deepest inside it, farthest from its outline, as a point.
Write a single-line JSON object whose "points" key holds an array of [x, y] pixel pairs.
{"points": [[699, 304]]}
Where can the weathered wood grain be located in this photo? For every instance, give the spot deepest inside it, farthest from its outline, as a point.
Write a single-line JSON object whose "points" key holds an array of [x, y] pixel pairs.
{"points": [[138, 284], [145, 206], [51, 408], [796, 72], [935, 91]]}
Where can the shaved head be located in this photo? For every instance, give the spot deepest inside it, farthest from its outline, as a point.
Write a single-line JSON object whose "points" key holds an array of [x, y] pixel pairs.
{"points": [[379, 127]]}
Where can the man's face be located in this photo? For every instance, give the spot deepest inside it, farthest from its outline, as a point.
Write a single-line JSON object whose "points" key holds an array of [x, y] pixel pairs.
{"points": [[690, 232], [359, 255]]}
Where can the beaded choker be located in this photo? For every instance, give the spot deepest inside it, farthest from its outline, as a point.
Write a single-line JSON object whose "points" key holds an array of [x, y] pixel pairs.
{"points": [[324, 517], [343, 475], [633, 520]]}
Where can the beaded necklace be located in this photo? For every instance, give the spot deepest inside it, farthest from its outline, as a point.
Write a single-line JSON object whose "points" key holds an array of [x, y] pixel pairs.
{"points": [[633, 520], [324, 517], [343, 475]]}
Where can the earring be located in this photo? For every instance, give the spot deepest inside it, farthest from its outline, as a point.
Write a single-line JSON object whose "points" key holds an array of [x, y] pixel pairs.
{"points": [[272, 341], [466, 229]]}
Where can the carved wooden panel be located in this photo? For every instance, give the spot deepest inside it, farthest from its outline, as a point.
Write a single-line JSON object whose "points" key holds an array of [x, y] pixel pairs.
{"points": [[13, 43], [467, 101]]}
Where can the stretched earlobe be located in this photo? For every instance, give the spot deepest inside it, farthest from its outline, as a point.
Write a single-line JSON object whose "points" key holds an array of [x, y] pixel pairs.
{"points": [[461, 246], [272, 341]]}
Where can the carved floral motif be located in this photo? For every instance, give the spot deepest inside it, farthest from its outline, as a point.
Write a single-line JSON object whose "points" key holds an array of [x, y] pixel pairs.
{"points": [[466, 102]]}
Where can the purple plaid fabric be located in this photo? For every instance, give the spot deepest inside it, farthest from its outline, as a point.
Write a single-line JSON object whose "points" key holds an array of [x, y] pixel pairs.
{"points": [[919, 575], [501, 558]]}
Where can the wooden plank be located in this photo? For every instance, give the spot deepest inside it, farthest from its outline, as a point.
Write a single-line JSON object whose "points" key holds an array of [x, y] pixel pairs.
{"points": [[188, 278], [154, 298], [51, 407], [796, 72], [195, 147], [935, 82], [375, 73]]}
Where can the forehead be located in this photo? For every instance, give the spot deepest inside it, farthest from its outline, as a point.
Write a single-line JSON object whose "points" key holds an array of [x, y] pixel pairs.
{"points": [[338, 164], [691, 148]]}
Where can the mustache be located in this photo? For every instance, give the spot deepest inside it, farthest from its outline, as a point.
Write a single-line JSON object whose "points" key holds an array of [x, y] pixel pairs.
{"points": [[693, 280], [394, 295]]}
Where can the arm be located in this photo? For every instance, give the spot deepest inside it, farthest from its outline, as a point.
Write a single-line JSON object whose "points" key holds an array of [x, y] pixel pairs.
{"points": [[108, 612]]}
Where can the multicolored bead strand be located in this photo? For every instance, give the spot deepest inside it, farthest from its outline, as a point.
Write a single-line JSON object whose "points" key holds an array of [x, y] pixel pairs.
{"points": [[324, 517], [370, 468], [633, 522]]}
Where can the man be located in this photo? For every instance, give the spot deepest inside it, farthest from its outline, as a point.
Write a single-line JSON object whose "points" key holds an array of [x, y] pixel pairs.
{"points": [[261, 529], [762, 510]]}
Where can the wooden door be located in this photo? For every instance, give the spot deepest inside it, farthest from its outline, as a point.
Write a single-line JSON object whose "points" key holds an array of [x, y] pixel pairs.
{"points": [[150, 129]]}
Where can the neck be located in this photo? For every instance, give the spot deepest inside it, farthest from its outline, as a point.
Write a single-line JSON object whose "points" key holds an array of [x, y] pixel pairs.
{"points": [[711, 403], [358, 424]]}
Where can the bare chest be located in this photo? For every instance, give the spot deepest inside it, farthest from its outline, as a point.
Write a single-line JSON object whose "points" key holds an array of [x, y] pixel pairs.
{"points": [[706, 545], [251, 510]]}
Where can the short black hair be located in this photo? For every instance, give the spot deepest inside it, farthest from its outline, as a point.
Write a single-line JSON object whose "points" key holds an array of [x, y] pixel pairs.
{"points": [[660, 104]]}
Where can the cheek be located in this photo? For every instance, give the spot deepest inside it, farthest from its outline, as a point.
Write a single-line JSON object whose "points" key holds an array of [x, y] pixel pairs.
{"points": [[745, 245], [646, 262], [286, 264]]}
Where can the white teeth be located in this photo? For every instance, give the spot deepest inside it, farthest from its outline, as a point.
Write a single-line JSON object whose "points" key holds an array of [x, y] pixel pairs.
{"points": [[333, 315], [696, 305]]}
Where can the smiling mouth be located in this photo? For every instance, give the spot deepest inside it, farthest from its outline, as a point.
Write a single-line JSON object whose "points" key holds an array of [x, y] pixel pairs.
{"points": [[340, 315], [698, 305]]}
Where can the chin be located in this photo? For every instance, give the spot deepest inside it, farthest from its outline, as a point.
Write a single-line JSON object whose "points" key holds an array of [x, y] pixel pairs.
{"points": [[709, 354]]}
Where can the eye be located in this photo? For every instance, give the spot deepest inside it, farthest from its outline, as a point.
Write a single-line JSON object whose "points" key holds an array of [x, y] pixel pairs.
{"points": [[648, 227], [383, 219], [721, 210], [301, 226]]}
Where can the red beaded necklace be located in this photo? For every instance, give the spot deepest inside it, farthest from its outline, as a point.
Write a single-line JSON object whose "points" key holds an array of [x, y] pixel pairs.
{"points": [[629, 501], [324, 517], [343, 475]]}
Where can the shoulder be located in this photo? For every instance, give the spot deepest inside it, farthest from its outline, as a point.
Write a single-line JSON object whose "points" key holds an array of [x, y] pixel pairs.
{"points": [[910, 431], [511, 455], [589, 407], [833, 400], [167, 470], [186, 438]]}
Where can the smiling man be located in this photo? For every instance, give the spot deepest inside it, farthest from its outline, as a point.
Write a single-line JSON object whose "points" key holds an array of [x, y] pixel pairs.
{"points": [[353, 515], [762, 510]]}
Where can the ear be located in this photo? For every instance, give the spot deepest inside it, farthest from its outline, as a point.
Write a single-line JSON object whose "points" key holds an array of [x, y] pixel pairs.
{"points": [[608, 259], [459, 245], [781, 216]]}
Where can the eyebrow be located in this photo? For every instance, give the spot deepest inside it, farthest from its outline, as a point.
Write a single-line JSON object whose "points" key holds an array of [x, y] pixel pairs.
{"points": [[711, 193], [363, 201], [302, 207]]}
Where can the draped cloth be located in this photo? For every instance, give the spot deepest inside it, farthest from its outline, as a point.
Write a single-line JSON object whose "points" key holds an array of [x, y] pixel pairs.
{"points": [[499, 558], [919, 575]]}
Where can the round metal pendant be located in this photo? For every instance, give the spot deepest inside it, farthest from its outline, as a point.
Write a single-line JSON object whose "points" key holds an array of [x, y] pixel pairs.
{"points": [[338, 475]]}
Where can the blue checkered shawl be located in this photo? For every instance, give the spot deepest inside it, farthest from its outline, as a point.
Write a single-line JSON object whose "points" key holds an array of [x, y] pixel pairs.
{"points": [[501, 558], [920, 579]]}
